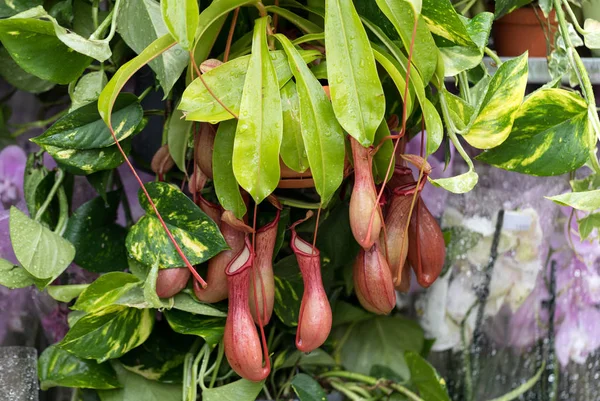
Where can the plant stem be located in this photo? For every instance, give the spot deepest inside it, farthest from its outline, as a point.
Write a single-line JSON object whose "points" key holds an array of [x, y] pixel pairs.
{"points": [[23, 128], [465, 90], [370, 381], [111, 19], [63, 202], [220, 353], [347, 392], [298, 203], [579, 67], [58, 179], [492, 54]]}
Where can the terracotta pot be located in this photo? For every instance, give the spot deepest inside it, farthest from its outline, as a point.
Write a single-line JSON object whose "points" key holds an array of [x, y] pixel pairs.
{"points": [[521, 31]]}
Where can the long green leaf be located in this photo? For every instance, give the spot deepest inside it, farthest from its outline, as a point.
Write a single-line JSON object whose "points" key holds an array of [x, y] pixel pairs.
{"points": [[178, 132], [587, 201], [302, 23], [293, 152], [402, 14], [226, 187], [181, 18], [109, 94], [215, 11], [356, 92], [323, 136], [260, 126]]}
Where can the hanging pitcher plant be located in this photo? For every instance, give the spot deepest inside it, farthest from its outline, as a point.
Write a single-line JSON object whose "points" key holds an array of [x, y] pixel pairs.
{"points": [[285, 212]]}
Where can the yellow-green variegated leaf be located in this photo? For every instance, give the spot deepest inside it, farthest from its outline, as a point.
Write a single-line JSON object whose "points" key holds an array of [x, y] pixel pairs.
{"points": [[550, 136], [356, 91], [105, 291], [493, 120], [293, 152], [459, 58], [197, 235], [208, 327], [443, 20], [57, 367], [587, 201], [260, 127], [109, 332], [459, 184], [321, 132], [227, 84]]}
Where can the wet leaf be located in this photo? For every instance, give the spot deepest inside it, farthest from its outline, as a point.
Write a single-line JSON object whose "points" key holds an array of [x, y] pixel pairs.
{"points": [[227, 84], [88, 89], [108, 333], [303, 24], [402, 14], [550, 136], [293, 152], [19, 78], [430, 385], [105, 291], [356, 92], [66, 293], [241, 390], [307, 388], [197, 235], [43, 253], [181, 18], [83, 128], [493, 119], [226, 186], [459, 184], [209, 328], [380, 340], [140, 24], [443, 20], [178, 132], [99, 241], [12, 276], [322, 135], [587, 201], [89, 161], [33, 45], [57, 367], [10, 8], [260, 127]]}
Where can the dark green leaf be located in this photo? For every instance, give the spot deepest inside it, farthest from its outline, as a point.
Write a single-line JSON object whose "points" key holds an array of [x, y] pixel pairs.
{"points": [[140, 23], [431, 386], [100, 243], [335, 239], [226, 186], [36, 49], [504, 7], [17, 77], [10, 8], [302, 23], [109, 332], [241, 390], [83, 128], [85, 162], [307, 388], [43, 253], [382, 341], [197, 235], [209, 328], [356, 92], [57, 367], [317, 357], [100, 181], [12, 276], [88, 89], [550, 136]]}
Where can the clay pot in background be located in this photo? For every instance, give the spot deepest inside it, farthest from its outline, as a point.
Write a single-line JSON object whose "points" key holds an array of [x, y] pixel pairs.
{"points": [[521, 31]]}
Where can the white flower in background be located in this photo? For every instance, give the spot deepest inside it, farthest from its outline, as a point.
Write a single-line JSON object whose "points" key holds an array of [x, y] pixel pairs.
{"points": [[445, 305]]}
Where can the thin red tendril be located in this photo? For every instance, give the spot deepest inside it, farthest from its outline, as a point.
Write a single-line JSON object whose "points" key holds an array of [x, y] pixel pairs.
{"points": [[230, 35]]}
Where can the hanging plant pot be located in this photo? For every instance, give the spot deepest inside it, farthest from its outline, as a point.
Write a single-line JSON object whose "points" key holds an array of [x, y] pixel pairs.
{"points": [[291, 179], [524, 30]]}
